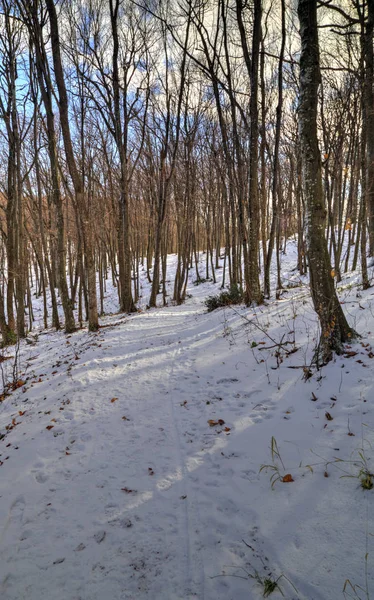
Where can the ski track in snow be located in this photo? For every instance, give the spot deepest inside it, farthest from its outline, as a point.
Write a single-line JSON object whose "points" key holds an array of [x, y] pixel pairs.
{"points": [[130, 494]]}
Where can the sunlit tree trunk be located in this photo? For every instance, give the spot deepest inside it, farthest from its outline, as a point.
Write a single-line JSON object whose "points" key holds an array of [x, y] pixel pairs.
{"points": [[334, 327], [93, 322]]}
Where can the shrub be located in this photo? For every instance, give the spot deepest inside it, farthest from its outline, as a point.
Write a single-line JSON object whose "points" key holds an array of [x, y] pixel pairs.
{"points": [[233, 295]]}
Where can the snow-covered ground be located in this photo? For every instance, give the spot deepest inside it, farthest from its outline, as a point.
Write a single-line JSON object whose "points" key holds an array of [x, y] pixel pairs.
{"points": [[130, 459]]}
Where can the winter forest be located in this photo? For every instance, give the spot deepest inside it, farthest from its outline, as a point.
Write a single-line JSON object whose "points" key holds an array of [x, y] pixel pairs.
{"points": [[186, 304]]}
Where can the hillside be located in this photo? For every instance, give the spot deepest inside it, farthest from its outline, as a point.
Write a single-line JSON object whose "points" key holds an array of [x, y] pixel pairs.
{"points": [[131, 458]]}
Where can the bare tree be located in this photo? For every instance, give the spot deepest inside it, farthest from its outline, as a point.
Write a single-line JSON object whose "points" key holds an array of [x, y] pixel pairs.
{"points": [[334, 327]]}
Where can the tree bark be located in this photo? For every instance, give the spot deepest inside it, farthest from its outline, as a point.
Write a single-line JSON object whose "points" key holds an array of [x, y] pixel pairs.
{"points": [[368, 92], [334, 327], [254, 294], [93, 322]]}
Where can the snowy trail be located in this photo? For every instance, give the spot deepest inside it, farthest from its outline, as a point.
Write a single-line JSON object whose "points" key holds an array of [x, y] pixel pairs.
{"points": [[114, 485], [139, 470]]}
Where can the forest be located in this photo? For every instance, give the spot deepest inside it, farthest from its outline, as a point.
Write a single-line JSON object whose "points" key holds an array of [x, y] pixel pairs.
{"points": [[133, 130], [186, 301]]}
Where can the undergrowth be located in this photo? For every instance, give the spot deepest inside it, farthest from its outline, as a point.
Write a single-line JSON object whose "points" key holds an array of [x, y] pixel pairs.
{"points": [[234, 295]]}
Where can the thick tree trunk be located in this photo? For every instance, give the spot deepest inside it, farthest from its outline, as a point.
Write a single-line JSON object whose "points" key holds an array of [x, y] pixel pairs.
{"points": [[254, 294], [72, 164], [368, 83], [124, 249], [334, 327]]}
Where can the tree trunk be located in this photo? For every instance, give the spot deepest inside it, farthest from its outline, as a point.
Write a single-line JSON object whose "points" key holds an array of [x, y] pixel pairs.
{"points": [[254, 293], [334, 327], [76, 177], [368, 82]]}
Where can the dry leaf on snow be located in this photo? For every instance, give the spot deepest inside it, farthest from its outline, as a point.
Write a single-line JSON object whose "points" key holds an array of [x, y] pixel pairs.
{"points": [[214, 423]]}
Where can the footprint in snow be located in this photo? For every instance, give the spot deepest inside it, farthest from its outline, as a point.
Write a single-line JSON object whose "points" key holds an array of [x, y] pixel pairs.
{"points": [[80, 547], [15, 515], [263, 411], [100, 536], [288, 413], [69, 416], [251, 393], [25, 535], [227, 380], [41, 477]]}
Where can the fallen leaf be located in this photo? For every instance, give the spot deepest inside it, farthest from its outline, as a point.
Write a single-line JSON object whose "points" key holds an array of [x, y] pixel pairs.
{"points": [[227, 428], [150, 471], [128, 491], [18, 384], [314, 397], [287, 478], [325, 474], [50, 427], [328, 416], [125, 419], [4, 358], [21, 413], [114, 399], [214, 423]]}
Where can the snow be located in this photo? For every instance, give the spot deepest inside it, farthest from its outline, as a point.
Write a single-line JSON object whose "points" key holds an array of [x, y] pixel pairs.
{"points": [[114, 485]]}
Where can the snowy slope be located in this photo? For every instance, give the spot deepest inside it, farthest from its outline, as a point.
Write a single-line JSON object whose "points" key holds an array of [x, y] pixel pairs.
{"points": [[113, 483]]}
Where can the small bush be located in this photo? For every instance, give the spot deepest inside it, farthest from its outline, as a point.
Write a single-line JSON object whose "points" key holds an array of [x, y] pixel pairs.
{"points": [[233, 295], [9, 339]]}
